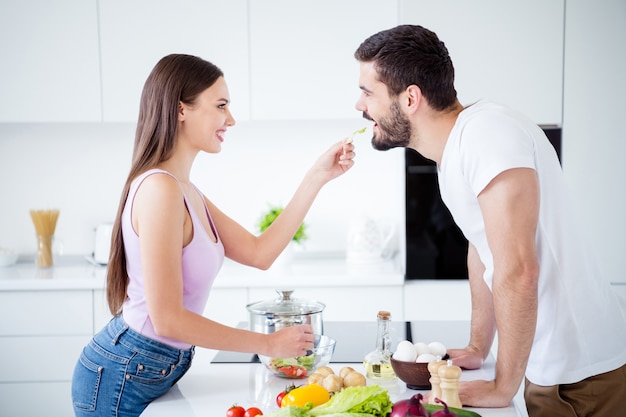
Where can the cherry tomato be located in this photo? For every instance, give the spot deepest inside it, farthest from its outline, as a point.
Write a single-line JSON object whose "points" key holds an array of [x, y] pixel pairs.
{"points": [[236, 411], [252, 412], [279, 398], [281, 395], [311, 393]]}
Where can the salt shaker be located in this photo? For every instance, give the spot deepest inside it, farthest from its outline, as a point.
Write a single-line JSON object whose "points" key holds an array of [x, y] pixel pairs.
{"points": [[433, 368], [450, 375]]}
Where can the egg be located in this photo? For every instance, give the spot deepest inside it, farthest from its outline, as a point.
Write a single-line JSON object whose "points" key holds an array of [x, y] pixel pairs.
{"points": [[437, 349], [425, 357], [421, 347], [405, 351]]}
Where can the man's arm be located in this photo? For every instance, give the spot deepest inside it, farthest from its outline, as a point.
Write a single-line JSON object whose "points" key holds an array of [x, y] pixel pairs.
{"points": [[510, 208], [483, 324]]}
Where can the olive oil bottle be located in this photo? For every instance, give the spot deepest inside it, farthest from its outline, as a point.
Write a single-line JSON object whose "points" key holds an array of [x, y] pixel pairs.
{"points": [[377, 363]]}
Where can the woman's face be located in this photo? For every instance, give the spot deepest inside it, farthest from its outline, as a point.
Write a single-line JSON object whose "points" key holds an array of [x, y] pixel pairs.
{"points": [[203, 124]]}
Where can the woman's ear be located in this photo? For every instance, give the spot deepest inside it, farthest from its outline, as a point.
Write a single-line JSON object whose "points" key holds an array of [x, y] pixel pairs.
{"points": [[181, 111]]}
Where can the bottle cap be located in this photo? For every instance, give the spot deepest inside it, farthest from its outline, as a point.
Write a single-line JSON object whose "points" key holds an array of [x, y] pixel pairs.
{"points": [[384, 315], [450, 371]]}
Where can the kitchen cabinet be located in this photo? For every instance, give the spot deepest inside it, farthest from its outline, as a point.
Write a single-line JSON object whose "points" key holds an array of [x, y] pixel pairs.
{"points": [[437, 300], [41, 336], [301, 57], [510, 52], [50, 62], [135, 35]]}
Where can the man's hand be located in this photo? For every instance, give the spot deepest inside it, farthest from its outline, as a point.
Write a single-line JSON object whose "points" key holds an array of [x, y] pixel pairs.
{"points": [[467, 358], [482, 394]]}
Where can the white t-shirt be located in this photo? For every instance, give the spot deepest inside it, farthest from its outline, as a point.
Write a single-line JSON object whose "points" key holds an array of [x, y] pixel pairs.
{"points": [[581, 323]]}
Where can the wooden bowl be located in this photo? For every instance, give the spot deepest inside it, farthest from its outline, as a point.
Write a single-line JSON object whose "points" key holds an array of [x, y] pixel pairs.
{"points": [[414, 374]]}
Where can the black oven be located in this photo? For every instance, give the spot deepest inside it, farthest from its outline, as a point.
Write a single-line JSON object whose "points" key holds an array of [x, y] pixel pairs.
{"points": [[435, 246]]}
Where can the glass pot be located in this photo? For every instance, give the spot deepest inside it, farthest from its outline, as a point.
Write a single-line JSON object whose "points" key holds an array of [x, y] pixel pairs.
{"points": [[272, 315]]}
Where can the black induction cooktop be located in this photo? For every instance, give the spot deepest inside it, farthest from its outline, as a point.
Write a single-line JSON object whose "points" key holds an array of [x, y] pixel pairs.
{"points": [[356, 338]]}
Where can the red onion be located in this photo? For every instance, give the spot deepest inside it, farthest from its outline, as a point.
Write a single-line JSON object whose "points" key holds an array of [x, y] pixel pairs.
{"points": [[409, 408], [444, 412]]}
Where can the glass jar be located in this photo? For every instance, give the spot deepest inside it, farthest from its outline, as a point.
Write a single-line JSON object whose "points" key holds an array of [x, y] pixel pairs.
{"points": [[377, 363]]}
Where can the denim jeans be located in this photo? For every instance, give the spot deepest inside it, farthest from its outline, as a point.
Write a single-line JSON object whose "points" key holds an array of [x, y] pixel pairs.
{"points": [[120, 372]]}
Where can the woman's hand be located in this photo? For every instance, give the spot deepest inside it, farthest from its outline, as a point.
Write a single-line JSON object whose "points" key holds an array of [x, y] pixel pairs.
{"points": [[291, 341], [335, 161]]}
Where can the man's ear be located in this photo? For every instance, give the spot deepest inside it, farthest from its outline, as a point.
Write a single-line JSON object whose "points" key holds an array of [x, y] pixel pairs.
{"points": [[413, 97]]}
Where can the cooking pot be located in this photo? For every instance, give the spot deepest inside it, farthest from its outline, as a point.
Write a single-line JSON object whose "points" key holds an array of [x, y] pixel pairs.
{"points": [[272, 315]]}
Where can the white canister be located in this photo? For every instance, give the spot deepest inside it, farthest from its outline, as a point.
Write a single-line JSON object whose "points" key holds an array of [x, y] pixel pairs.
{"points": [[102, 244]]}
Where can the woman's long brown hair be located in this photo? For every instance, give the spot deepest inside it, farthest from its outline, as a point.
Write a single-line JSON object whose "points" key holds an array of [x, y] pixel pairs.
{"points": [[175, 78]]}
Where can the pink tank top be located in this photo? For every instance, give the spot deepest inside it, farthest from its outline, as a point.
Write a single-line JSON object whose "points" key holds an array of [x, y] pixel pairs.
{"points": [[201, 260]]}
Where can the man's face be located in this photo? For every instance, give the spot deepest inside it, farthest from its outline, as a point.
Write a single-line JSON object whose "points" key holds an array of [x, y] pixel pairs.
{"points": [[392, 129]]}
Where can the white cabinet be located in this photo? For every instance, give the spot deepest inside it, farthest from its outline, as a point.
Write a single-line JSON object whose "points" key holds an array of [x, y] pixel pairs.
{"points": [[50, 64], [41, 336], [301, 55], [135, 35], [511, 52], [437, 300]]}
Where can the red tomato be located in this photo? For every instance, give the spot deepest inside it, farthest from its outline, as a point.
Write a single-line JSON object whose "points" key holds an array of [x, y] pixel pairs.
{"points": [[236, 411], [279, 398], [252, 412]]}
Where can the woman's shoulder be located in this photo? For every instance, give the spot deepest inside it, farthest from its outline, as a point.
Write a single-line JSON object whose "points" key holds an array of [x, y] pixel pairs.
{"points": [[157, 185]]}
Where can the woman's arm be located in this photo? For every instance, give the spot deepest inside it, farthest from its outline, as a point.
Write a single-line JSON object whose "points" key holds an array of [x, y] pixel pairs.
{"points": [[161, 235], [261, 251]]}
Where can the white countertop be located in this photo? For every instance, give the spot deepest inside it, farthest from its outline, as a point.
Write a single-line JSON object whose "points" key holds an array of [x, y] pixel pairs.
{"points": [[76, 273], [210, 389]]}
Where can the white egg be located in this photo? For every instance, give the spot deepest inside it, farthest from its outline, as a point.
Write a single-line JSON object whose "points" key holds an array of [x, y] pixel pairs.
{"points": [[421, 347], [405, 351], [425, 357], [437, 349]]}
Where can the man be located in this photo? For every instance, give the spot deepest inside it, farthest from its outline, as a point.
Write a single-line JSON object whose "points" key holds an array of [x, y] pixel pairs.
{"points": [[531, 277]]}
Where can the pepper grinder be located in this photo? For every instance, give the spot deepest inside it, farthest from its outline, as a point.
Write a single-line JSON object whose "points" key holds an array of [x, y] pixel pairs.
{"points": [[433, 368], [450, 375]]}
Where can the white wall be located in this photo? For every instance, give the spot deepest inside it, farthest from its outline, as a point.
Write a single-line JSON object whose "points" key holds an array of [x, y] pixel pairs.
{"points": [[81, 168], [594, 143]]}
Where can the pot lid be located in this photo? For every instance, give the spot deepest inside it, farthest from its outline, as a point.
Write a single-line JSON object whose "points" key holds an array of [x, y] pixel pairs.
{"points": [[285, 305]]}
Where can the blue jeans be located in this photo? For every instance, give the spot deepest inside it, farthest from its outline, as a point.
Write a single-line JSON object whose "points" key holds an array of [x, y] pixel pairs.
{"points": [[120, 372]]}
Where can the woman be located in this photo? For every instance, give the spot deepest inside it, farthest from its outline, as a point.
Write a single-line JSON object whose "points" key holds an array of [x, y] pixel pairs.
{"points": [[169, 242]]}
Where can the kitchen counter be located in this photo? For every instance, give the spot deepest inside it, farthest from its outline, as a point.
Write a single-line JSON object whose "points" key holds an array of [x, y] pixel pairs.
{"points": [[209, 389], [75, 272]]}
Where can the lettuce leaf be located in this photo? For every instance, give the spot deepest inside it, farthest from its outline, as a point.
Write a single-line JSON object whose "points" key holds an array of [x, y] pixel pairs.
{"points": [[368, 401]]}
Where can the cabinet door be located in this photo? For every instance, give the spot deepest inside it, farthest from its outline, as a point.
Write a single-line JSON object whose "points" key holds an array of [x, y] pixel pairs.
{"points": [[510, 52], [135, 35], [437, 300], [101, 313], [302, 56], [36, 399], [346, 303], [40, 358], [41, 313], [50, 64]]}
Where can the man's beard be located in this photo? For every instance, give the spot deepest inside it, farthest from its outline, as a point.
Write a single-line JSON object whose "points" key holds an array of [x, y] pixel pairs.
{"points": [[394, 131]]}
